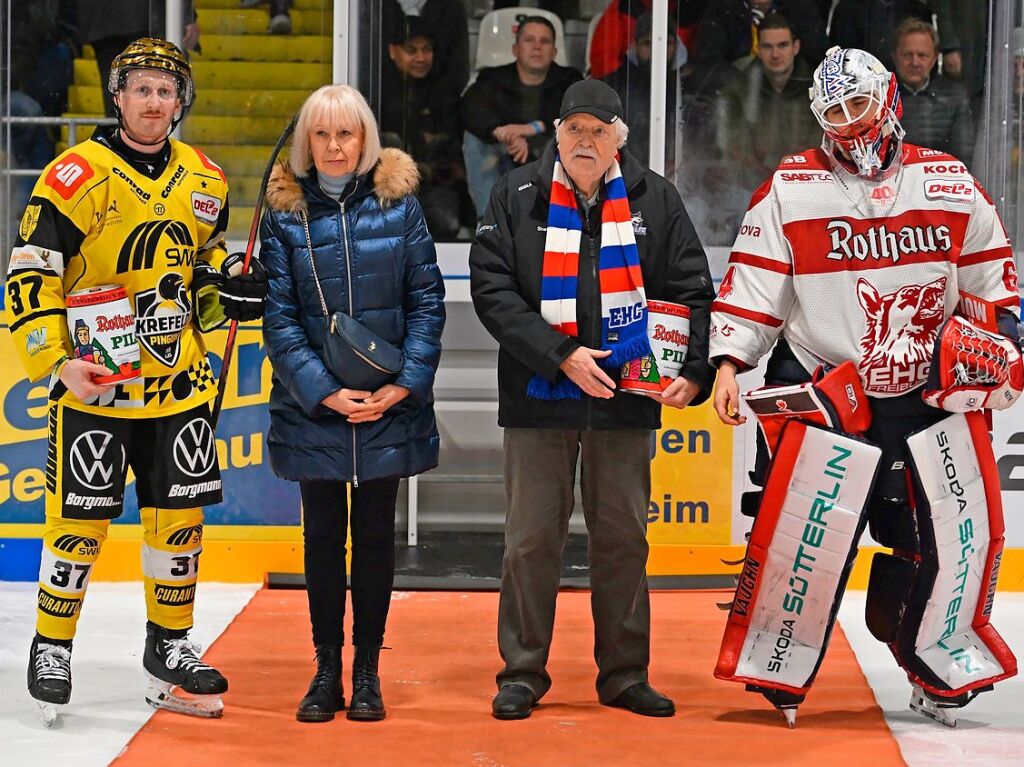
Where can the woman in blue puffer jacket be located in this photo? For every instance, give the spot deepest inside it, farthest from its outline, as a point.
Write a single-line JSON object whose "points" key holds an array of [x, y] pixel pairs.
{"points": [[351, 204]]}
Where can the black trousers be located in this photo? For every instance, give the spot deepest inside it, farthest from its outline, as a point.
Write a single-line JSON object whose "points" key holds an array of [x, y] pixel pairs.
{"points": [[324, 530]]}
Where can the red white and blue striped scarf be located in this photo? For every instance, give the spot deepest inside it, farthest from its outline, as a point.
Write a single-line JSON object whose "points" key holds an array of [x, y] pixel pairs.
{"points": [[623, 301]]}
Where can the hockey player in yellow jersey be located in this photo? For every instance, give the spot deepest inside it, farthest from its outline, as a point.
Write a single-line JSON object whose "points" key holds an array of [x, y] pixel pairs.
{"points": [[133, 208]]}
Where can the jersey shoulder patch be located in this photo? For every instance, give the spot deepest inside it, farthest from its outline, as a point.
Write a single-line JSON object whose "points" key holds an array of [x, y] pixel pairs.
{"points": [[66, 176]]}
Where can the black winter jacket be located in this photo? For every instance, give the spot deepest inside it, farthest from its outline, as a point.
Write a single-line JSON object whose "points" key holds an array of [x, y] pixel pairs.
{"points": [[505, 269], [497, 97]]}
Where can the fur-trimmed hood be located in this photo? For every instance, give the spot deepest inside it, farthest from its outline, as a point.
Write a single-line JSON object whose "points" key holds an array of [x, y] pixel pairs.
{"points": [[394, 176]]}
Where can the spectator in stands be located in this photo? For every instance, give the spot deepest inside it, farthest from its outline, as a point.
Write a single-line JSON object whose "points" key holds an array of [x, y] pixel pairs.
{"points": [[420, 115], [109, 25], [870, 24], [280, 19], [763, 111], [632, 81], [445, 22], [616, 30], [392, 286], [936, 110], [728, 30], [509, 112]]}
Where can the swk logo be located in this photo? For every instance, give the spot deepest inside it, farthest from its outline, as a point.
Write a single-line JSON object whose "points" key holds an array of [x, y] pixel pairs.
{"points": [[92, 460], [194, 449], [140, 247]]}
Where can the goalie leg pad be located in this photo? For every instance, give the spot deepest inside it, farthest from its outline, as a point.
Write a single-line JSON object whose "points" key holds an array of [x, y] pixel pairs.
{"points": [[945, 641], [798, 560]]}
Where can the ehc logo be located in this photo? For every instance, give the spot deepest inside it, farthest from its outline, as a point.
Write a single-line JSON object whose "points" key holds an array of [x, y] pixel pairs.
{"points": [[93, 459], [194, 449]]}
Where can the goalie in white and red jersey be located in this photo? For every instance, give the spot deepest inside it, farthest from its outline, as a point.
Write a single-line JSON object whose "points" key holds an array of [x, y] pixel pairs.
{"points": [[882, 277]]}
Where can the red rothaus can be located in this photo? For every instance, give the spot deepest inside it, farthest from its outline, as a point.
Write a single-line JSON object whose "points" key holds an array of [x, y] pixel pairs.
{"points": [[668, 328], [101, 324]]}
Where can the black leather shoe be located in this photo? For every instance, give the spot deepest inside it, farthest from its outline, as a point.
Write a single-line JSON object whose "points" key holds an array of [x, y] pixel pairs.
{"points": [[513, 701], [366, 705], [643, 699], [325, 696]]}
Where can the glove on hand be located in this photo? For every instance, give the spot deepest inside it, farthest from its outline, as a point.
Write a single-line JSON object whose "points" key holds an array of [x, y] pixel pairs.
{"points": [[243, 295]]}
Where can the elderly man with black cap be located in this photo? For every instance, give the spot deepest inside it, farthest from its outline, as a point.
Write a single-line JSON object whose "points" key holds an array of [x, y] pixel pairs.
{"points": [[570, 249]]}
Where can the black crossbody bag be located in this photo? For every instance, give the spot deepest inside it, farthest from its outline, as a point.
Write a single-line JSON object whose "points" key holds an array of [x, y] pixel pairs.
{"points": [[358, 357]]}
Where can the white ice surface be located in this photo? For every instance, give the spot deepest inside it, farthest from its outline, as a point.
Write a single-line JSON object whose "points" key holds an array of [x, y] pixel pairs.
{"points": [[989, 731], [107, 701]]}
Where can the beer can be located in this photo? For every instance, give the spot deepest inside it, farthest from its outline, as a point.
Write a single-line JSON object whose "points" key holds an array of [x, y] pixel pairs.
{"points": [[101, 324], [668, 328]]}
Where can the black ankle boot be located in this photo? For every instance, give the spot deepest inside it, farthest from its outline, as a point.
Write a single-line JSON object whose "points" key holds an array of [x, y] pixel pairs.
{"points": [[325, 695], [367, 704]]}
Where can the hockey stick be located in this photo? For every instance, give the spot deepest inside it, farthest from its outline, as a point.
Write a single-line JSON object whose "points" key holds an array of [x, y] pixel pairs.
{"points": [[229, 345]]}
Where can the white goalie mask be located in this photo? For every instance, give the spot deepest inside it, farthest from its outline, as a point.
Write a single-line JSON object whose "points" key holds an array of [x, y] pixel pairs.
{"points": [[856, 100]]}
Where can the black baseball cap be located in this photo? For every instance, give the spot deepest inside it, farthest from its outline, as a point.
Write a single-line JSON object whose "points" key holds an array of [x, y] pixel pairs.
{"points": [[592, 97]]}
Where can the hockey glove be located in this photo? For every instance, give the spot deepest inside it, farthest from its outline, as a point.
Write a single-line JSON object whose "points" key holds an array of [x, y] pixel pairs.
{"points": [[973, 369], [243, 295], [206, 285]]}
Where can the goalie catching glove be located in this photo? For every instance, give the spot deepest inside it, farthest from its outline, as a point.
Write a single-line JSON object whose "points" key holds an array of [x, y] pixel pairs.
{"points": [[973, 369]]}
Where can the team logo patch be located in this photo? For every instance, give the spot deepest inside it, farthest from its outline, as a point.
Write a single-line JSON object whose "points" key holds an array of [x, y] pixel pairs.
{"points": [[35, 341], [206, 207], [952, 191], [84, 545], [161, 314], [67, 176], [94, 457], [638, 223], [194, 450], [900, 334], [29, 220]]}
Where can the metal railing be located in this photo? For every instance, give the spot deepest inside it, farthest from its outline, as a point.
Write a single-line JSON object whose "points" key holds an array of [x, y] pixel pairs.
{"points": [[8, 173]]}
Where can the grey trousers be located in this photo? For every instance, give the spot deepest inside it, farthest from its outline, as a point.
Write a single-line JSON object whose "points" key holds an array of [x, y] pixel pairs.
{"points": [[540, 468]]}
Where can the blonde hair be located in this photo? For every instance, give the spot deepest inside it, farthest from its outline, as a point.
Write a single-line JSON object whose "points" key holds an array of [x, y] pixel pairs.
{"points": [[335, 105]]}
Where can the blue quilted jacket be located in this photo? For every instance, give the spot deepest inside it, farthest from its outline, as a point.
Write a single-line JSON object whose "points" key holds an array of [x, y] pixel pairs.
{"points": [[390, 269]]}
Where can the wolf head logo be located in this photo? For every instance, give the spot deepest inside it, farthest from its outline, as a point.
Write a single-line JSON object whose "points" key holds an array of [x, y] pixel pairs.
{"points": [[901, 326]]}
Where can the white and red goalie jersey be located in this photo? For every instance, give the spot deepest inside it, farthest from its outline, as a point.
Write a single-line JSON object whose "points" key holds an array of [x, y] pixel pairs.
{"points": [[865, 271]]}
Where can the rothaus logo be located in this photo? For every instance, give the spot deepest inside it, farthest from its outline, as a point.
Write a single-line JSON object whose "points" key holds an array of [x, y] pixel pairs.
{"points": [[194, 449], [880, 242], [93, 459]]}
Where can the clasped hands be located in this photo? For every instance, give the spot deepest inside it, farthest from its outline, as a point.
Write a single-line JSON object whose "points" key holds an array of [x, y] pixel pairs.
{"points": [[362, 406]]}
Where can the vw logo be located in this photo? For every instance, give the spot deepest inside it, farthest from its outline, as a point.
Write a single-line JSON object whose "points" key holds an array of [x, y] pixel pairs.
{"points": [[194, 448], [92, 461]]}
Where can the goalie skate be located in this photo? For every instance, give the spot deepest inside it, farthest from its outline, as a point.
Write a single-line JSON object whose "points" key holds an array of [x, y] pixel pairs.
{"points": [[922, 704], [178, 680]]}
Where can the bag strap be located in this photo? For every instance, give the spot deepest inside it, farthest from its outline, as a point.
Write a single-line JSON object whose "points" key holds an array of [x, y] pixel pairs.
{"points": [[312, 263]]}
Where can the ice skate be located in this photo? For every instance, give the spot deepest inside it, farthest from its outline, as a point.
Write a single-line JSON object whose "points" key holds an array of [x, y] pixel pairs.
{"points": [[941, 713], [178, 680], [49, 678]]}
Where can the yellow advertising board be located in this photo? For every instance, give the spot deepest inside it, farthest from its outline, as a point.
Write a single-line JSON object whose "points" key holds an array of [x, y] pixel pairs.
{"points": [[691, 479]]}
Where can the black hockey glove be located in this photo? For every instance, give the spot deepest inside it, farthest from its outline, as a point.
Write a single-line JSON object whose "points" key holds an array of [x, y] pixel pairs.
{"points": [[242, 295]]}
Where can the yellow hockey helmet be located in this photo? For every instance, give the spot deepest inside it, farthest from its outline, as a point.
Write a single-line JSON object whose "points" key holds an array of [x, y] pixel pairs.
{"points": [[153, 53]]}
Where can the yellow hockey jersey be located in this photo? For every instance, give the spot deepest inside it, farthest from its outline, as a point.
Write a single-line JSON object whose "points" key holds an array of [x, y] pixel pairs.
{"points": [[94, 219]]}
